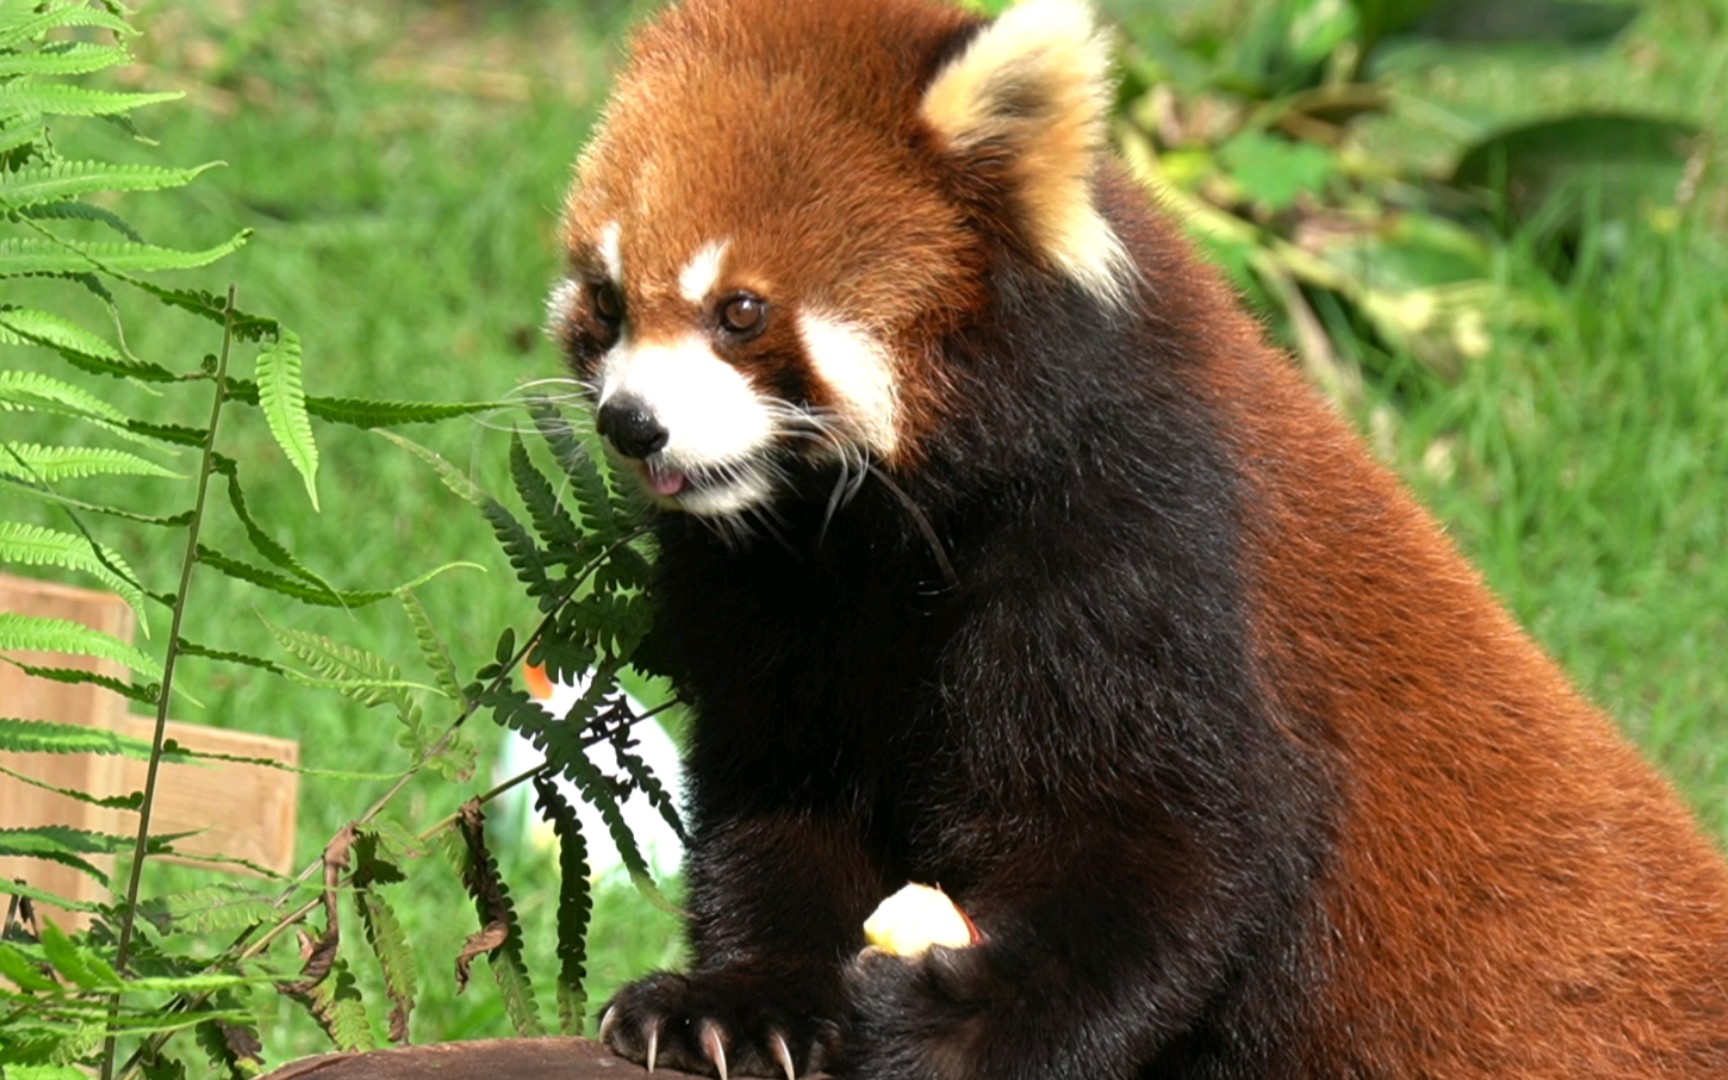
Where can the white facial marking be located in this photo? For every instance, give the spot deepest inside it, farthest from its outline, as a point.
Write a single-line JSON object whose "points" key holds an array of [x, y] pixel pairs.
{"points": [[610, 255], [702, 272], [715, 420], [859, 369], [558, 306]]}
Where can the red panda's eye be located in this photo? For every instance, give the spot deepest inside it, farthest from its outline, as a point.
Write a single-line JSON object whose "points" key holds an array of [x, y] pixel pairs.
{"points": [[607, 303], [744, 314]]}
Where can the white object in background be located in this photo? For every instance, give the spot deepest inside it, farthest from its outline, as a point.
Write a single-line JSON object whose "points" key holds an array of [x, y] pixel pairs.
{"points": [[656, 840]]}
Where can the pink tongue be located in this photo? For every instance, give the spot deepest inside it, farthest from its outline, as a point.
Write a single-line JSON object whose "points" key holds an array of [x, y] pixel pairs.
{"points": [[666, 483]]}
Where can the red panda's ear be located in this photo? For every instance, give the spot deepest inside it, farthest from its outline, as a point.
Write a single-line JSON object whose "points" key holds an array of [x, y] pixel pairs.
{"points": [[1031, 92]]}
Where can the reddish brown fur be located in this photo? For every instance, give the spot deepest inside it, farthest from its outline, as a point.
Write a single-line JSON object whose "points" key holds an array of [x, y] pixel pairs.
{"points": [[1508, 866], [1506, 890], [855, 222]]}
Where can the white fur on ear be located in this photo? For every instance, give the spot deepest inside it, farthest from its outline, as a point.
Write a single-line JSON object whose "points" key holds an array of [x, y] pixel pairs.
{"points": [[1035, 86]]}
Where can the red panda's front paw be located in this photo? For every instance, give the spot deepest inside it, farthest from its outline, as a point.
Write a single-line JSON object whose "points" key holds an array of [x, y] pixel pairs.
{"points": [[717, 1024], [921, 1016]]}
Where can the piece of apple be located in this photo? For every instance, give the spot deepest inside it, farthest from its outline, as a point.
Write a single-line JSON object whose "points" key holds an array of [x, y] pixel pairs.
{"points": [[915, 918]]}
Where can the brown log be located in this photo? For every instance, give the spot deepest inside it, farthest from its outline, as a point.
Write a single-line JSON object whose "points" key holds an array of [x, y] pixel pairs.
{"points": [[490, 1059]]}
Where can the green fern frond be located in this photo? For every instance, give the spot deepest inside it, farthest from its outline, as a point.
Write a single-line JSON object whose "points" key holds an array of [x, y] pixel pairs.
{"points": [[68, 846], [65, 58], [363, 413], [172, 434], [589, 490], [283, 399], [64, 99], [651, 787], [597, 791], [20, 129], [263, 542], [526, 557], [63, 180], [29, 461], [395, 959], [453, 477], [337, 1005], [299, 590], [37, 491], [432, 647], [368, 414], [30, 389], [26, 22], [36, 255], [575, 904], [144, 695], [624, 569], [227, 656], [48, 737], [40, 633], [563, 744], [213, 307], [25, 973], [33, 545], [83, 211], [130, 801], [336, 661], [565, 660], [42, 328], [201, 911], [78, 963], [43, 896], [383, 930], [556, 529]]}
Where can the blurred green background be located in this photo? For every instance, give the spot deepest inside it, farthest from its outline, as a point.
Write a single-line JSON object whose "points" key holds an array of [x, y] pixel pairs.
{"points": [[1566, 413]]}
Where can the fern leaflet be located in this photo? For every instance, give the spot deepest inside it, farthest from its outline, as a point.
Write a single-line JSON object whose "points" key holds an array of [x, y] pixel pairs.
{"points": [[32, 255], [71, 179], [31, 389], [33, 545], [283, 400], [68, 58], [575, 905], [552, 521], [29, 461], [40, 633]]}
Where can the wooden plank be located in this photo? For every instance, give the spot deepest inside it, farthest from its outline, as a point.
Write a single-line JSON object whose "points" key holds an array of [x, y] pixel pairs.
{"points": [[242, 811], [26, 697], [238, 810]]}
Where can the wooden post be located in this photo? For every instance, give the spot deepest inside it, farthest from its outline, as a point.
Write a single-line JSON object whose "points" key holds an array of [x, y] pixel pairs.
{"points": [[237, 810]]}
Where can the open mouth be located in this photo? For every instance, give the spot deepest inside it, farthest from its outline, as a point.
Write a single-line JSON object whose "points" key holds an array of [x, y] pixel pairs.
{"points": [[710, 490], [662, 480]]}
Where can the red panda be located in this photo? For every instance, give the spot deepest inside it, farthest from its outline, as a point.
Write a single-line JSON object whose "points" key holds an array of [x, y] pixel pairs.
{"points": [[998, 550]]}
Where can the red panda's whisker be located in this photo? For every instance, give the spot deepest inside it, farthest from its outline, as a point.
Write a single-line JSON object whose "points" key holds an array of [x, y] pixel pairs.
{"points": [[916, 513]]}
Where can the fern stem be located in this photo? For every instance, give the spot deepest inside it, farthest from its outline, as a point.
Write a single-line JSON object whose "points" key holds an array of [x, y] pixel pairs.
{"points": [[206, 466]]}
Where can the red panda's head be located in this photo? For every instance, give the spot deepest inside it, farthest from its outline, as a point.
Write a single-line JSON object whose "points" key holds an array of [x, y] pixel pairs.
{"points": [[789, 204]]}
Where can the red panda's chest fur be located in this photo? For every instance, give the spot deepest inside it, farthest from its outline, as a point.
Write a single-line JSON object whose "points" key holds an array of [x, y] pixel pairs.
{"points": [[998, 551]]}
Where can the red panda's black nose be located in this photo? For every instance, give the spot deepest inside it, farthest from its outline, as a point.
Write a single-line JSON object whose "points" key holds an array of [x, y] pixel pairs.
{"points": [[628, 425]]}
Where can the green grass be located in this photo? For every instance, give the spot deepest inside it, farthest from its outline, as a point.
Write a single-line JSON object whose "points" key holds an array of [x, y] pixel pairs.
{"points": [[1587, 476], [403, 167]]}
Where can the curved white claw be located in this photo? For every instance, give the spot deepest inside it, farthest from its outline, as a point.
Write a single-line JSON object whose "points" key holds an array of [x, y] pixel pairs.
{"points": [[782, 1053], [715, 1047], [653, 1044], [607, 1023]]}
